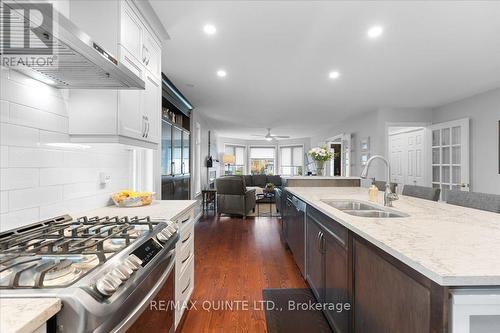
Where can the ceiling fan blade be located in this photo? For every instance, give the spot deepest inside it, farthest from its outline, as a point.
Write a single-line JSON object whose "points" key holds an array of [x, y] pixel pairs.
{"points": [[260, 135], [280, 136]]}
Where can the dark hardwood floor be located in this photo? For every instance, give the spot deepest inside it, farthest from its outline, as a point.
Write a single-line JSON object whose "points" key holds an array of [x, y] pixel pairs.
{"points": [[235, 260]]}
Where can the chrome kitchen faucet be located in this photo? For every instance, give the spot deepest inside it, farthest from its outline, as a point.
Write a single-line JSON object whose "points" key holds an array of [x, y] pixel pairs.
{"points": [[389, 197]]}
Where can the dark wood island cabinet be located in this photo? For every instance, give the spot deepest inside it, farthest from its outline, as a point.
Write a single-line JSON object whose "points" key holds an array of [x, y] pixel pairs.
{"points": [[329, 268], [377, 292]]}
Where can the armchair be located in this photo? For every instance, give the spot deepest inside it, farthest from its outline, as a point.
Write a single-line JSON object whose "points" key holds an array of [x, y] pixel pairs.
{"points": [[233, 197]]}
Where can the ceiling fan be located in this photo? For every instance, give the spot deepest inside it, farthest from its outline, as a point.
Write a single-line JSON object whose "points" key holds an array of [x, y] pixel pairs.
{"points": [[270, 137]]}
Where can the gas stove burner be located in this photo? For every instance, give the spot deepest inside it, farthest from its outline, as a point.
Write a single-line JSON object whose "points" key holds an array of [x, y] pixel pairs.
{"points": [[61, 270], [59, 251], [115, 244]]}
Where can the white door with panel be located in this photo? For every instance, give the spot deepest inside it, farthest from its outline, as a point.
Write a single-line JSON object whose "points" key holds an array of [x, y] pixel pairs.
{"points": [[450, 155], [407, 157]]}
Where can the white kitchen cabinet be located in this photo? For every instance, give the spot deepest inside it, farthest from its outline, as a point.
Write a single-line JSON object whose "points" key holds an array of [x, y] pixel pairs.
{"points": [[125, 116], [152, 54], [131, 30], [151, 103], [138, 40]]}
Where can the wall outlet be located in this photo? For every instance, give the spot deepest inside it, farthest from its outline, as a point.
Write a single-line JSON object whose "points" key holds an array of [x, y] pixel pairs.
{"points": [[105, 178]]}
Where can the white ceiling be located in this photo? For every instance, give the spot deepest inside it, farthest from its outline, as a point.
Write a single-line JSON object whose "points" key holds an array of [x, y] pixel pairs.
{"points": [[278, 54]]}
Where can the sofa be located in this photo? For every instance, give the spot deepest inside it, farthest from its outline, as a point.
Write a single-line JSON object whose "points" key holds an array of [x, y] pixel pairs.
{"points": [[233, 197], [262, 180]]}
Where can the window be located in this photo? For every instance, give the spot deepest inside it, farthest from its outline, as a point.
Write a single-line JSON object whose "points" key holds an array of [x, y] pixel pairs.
{"points": [[238, 168], [262, 160], [292, 161]]}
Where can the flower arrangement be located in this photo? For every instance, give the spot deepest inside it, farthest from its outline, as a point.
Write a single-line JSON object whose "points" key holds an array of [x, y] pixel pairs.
{"points": [[269, 187], [320, 154]]}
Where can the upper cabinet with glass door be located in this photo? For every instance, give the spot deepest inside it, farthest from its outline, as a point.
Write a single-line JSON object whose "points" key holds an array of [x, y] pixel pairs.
{"points": [[185, 153], [177, 148], [166, 148]]}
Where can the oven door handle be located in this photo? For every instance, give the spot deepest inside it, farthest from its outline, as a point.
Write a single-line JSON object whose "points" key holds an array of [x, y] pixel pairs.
{"points": [[139, 309]]}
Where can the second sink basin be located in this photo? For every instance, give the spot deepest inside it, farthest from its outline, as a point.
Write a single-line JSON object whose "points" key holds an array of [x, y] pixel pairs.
{"points": [[374, 213], [363, 209]]}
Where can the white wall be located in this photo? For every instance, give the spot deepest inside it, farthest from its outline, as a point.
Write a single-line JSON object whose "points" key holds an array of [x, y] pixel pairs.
{"points": [[484, 113], [39, 181], [205, 128], [221, 141], [373, 124]]}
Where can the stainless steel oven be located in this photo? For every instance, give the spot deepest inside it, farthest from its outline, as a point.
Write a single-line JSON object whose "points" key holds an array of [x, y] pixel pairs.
{"points": [[106, 270]]}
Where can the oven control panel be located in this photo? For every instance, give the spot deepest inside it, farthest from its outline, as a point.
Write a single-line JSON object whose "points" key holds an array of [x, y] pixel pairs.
{"points": [[147, 251]]}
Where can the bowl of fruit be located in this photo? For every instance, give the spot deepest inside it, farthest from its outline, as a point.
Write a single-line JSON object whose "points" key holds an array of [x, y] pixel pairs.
{"points": [[128, 198]]}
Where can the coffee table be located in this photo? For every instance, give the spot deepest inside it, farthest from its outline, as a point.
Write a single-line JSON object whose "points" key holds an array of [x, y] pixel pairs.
{"points": [[263, 198]]}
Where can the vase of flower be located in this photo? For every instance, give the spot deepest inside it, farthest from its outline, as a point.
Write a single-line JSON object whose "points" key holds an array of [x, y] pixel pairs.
{"points": [[320, 155], [320, 167]]}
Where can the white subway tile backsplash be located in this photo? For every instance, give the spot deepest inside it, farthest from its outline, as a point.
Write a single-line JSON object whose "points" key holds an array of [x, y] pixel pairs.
{"points": [[59, 176], [33, 94], [13, 179], [79, 190], [4, 111], [53, 137], [79, 159], [18, 218], [13, 135], [53, 210], [31, 117], [38, 181], [4, 156], [19, 157], [34, 197], [4, 202]]}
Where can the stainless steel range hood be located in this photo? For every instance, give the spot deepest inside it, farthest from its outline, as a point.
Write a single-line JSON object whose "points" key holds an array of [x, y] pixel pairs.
{"points": [[77, 61]]}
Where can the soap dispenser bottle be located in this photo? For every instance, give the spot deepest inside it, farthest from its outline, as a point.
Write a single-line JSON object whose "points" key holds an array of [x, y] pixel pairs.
{"points": [[373, 192]]}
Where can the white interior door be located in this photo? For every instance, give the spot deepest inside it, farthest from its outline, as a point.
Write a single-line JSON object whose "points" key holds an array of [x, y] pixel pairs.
{"points": [[396, 158], [406, 152], [450, 155], [415, 157]]}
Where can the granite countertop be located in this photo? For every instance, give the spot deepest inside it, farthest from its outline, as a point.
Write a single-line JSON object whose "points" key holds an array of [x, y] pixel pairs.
{"points": [[25, 315], [167, 209], [451, 245]]}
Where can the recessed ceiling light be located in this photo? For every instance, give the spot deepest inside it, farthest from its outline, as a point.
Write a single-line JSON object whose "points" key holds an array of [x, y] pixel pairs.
{"points": [[209, 29], [333, 75], [221, 73], [375, 31]]}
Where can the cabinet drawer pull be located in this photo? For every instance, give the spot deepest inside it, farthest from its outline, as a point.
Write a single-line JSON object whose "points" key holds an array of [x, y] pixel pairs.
{"points": [[189, 255], [186, 239], [189, 283], [184, 221]]}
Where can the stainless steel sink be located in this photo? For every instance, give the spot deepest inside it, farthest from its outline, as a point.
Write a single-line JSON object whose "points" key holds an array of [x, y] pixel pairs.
{"points": [[350, 205], [363, 209], [374, 213]]}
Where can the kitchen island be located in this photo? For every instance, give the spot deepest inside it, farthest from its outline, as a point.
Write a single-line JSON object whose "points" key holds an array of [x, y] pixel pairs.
{"points": [[320, 181], [400, 267]]}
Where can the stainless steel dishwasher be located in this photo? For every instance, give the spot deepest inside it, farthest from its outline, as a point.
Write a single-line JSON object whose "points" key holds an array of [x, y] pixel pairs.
{"points": [[295, 230]]}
